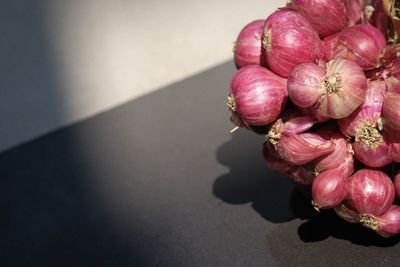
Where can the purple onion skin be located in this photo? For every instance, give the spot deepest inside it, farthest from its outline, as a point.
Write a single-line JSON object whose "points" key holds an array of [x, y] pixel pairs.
{"points": [[373, 157], [397, 184], [326, 16], [370, 109], [329, 46], [354, 10], [290, 42], [394, 152], [304, 84], [394, 143], [286, 17], [300, 149], [333, 160], [259, 95], [298, 124], [329, 188], [363, 44], [301, 175], [248, 48], [391, 111], [389, 222], [379, 18], [370, 192], [339, 88], [311, 111]]}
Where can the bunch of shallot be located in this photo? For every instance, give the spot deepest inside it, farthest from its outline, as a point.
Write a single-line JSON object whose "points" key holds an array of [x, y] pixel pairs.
{"points": [[321, 80]]}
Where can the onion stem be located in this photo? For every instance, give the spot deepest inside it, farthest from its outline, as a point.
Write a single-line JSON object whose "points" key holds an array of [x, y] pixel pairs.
{"points": [[369, 222], [369, 134], [332, 84]]}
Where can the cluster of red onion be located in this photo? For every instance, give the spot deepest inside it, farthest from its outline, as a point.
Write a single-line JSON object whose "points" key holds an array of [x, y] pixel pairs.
{"points": [[320, 80]]}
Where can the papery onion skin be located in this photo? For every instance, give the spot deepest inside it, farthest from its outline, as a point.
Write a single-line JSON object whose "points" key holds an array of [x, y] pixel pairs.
{"points": [[334, 92], [386, 225], [347, 214], [393, 84], [286, 17], [288, 44], [248, 46], [394, 152], [258, 96], [375, 157], [299, 149], [391, 110], [326, 16], [302, 175], [354, 10], [389, 222], [343, 154], [362, 44], [370, 110], [329, 45], [293, 124], [397, 184], [348, 88], [274, 162], [289, 142], [370, 192], [371, 145], [304, 84], [298, 124], [311, 111], [392, 70], [394, 143], [379, 18], [329, 188]]}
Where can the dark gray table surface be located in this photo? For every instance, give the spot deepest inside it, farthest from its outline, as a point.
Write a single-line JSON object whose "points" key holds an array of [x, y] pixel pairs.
{"points": [[160, 181]]}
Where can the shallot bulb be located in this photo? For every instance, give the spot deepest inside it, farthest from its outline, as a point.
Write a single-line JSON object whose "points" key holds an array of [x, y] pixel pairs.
{"points": [[287, 17], [354, 10], [257, 96], [370, 110], [329, 188], [296, 147], [303, 175], [397, 184], [363, 44], [370, 192], [394, 143], [394, 151], [289, 40], [389, 222], [372, 148], [386, 225], [329, 46], [248, 46], [335, 91], [326, 16], [371, 145], [342, 155], [391, 110]]}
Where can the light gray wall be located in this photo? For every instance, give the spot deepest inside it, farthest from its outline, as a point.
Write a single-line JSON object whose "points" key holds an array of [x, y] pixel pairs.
{"points": [[66, 60]]}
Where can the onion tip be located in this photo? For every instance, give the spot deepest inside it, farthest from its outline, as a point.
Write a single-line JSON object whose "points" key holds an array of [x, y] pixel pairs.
{"points": [[234, 129], [315, 206], [369, 222]]}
